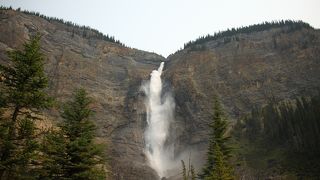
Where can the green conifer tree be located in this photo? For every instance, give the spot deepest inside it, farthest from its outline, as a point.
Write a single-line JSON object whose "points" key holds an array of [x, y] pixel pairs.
{"points": [[70, 153], [23, 84], [218, 149], [221, 169], [54, 157]]}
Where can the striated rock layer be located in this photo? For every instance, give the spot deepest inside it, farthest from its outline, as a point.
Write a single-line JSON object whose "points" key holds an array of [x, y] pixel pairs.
{"points": [[245, 71]]}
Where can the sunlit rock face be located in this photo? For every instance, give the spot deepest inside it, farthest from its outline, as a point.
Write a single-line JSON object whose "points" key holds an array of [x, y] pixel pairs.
{"points": [[111, 74], [244, 72]]}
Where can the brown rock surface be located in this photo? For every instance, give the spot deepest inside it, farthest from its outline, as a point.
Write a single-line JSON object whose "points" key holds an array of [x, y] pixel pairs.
{"points": [[111, 73], [245, 72]]}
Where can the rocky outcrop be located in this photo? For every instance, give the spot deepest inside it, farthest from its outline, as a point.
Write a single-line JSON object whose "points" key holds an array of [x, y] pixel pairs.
{"points": [[244, 71]]}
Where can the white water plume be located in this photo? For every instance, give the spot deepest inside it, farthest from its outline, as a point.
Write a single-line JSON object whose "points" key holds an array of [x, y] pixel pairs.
{"points": [[160, 108]]}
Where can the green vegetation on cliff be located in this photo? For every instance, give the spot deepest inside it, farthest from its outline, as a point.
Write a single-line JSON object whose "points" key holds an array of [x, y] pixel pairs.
{"points": [[289, 24], [285, 134], [83, 31]]}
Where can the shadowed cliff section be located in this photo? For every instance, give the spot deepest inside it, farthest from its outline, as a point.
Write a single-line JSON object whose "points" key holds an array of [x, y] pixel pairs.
{"points": [[245, 70]]}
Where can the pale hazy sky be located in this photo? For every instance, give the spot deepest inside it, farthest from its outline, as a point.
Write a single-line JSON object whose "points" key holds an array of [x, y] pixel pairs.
{"points": [[163, 26]]}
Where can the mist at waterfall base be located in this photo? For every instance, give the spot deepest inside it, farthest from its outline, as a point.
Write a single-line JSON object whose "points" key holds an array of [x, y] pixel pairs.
{"points": [[160, 113]]}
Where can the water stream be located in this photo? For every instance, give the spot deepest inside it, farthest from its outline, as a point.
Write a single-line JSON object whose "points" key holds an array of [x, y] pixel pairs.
{"points": [[160, 108]]}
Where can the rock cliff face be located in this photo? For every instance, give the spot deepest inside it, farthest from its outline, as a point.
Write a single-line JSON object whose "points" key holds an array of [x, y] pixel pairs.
{"points": [[245, 71], [111, 73]]}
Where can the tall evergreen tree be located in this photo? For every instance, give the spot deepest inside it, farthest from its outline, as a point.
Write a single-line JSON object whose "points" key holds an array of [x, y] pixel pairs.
{"points": [[221, 169], [70, 153], [55, 157], [23, 84], [218, 149]]}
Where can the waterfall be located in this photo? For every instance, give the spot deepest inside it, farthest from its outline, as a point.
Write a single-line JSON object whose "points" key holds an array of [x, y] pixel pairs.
{"points": [[160, 108]]}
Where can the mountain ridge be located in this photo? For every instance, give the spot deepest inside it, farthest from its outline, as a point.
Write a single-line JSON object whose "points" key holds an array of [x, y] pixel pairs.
{"points": [[291, 25]]}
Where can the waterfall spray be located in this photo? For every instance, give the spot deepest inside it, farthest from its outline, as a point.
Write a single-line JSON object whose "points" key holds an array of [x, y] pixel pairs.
{"points": [[160, 110]]}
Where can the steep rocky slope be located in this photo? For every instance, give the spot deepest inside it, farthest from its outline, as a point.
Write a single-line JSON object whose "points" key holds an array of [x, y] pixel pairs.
{"points": [[245, 70], [111, 73]]}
